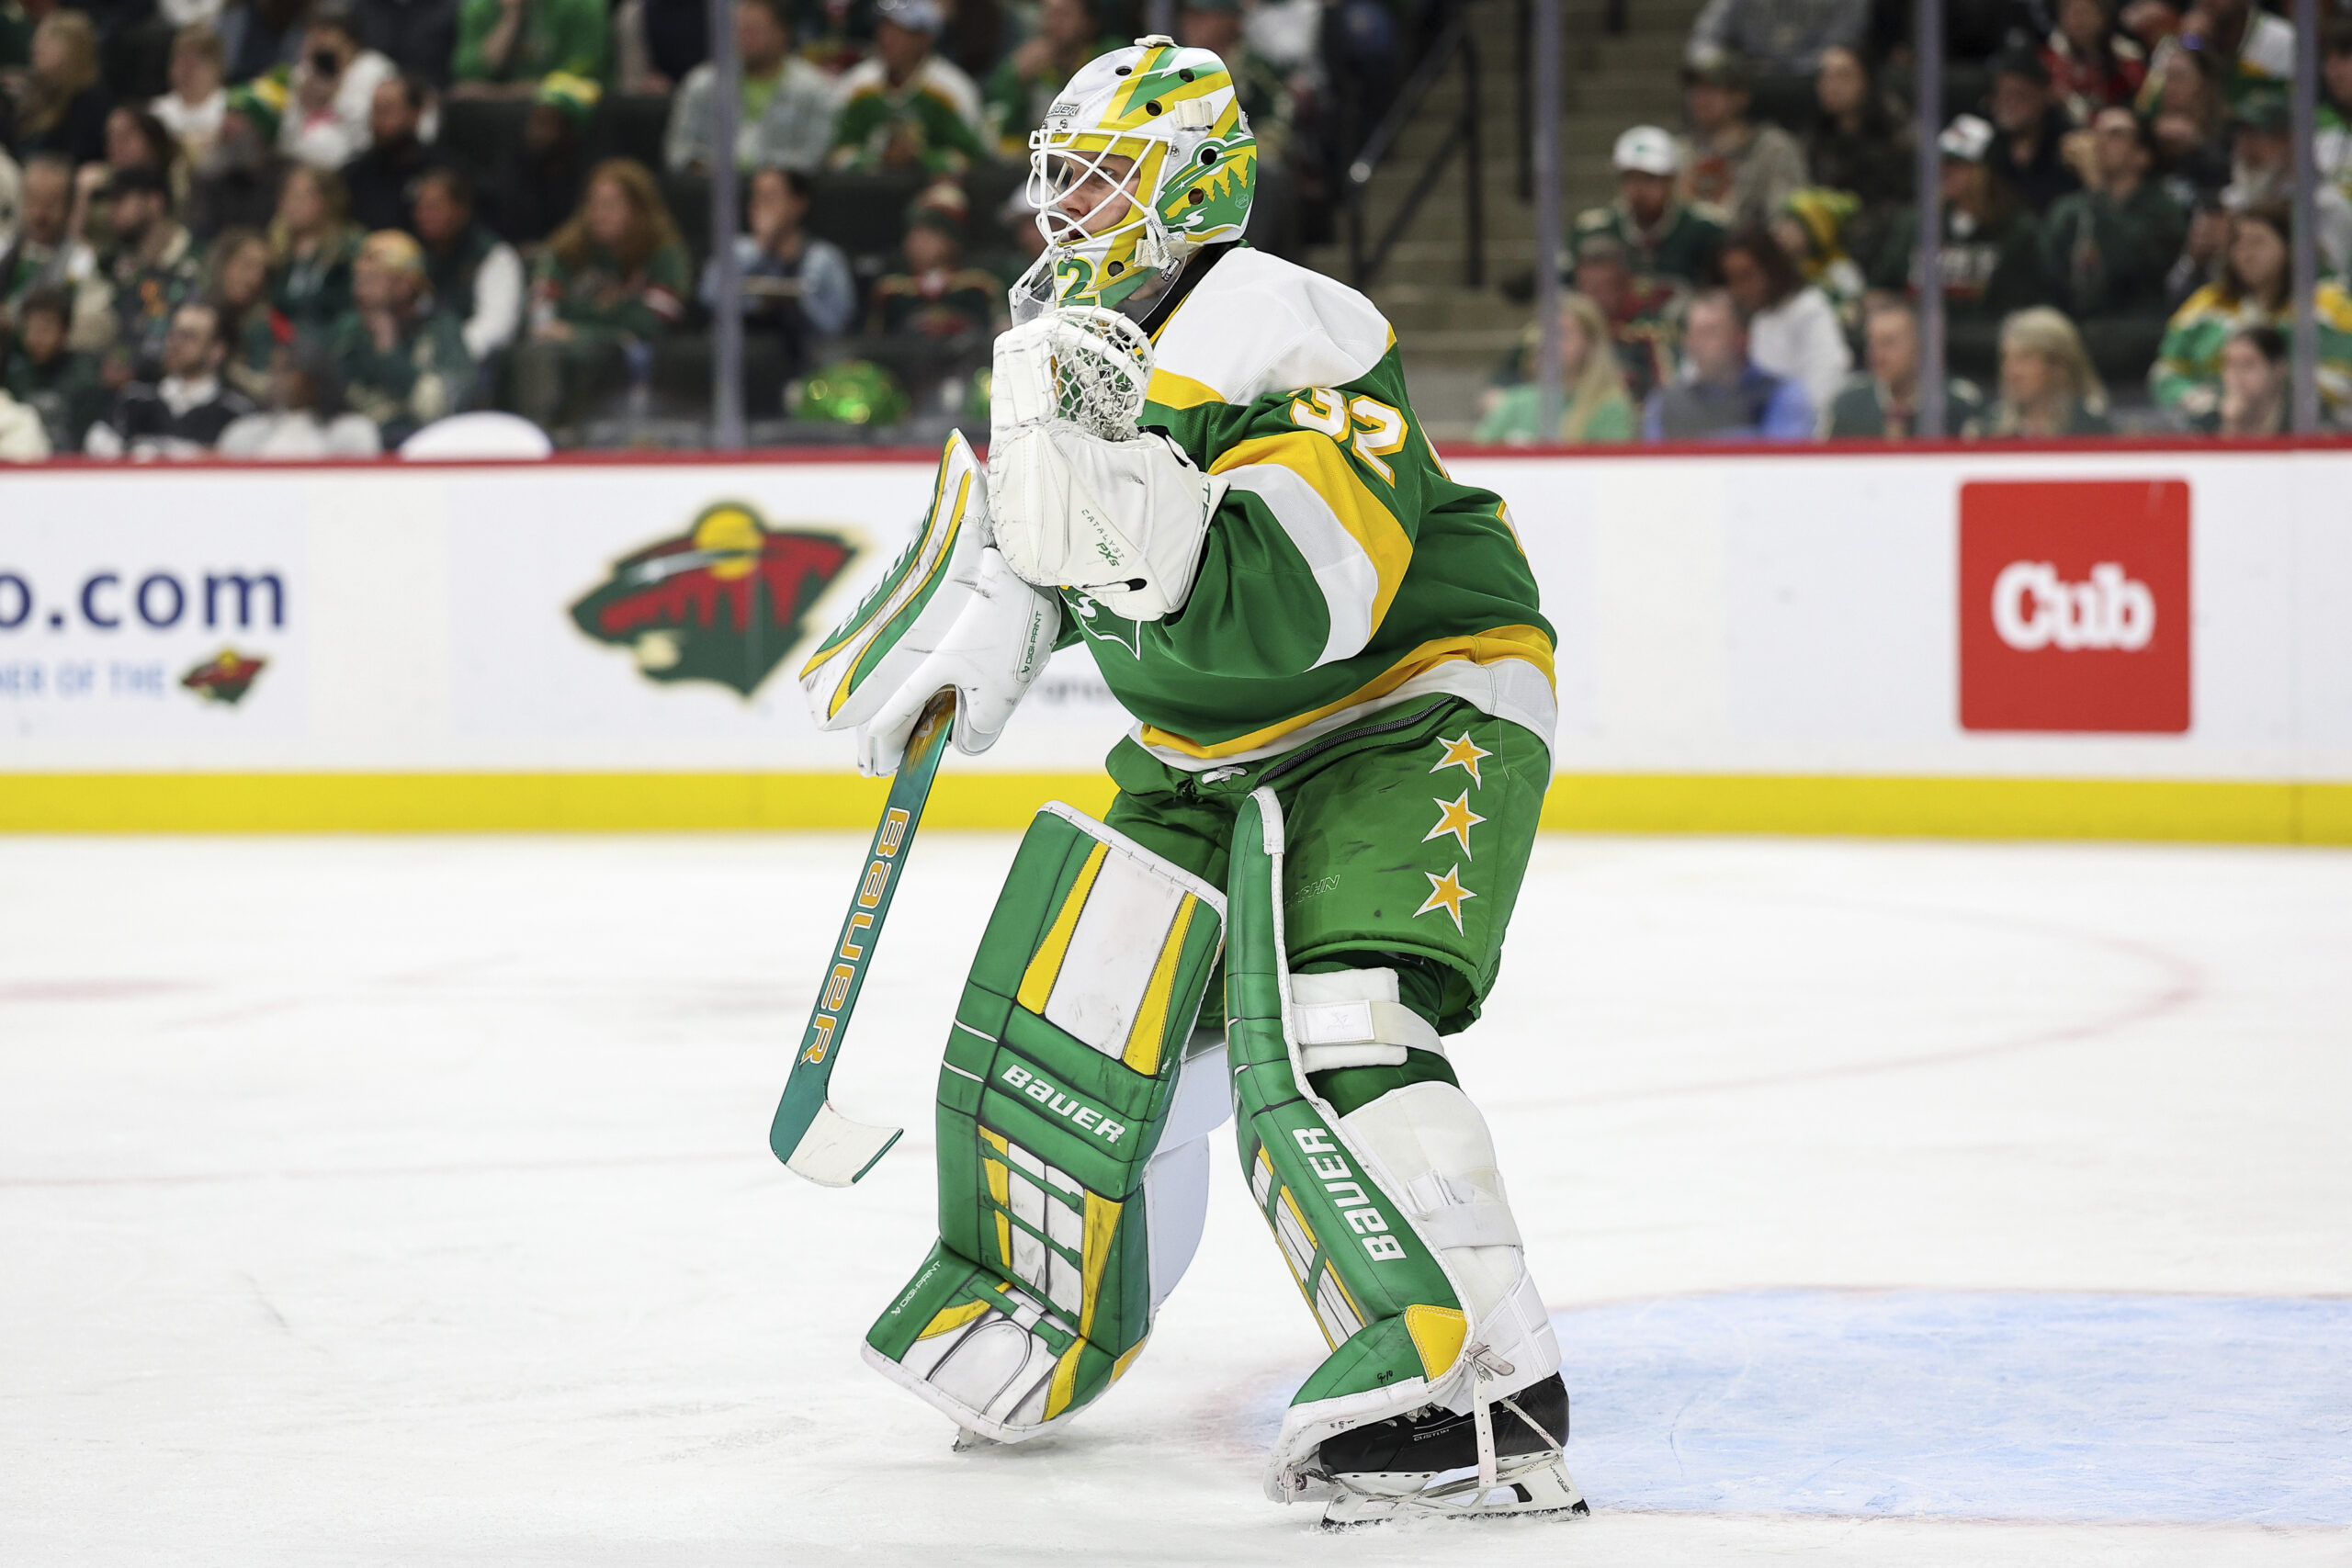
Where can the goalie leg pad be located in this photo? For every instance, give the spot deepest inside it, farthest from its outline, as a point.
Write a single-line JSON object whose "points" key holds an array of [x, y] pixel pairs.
{"points": [[1392, 1219], [1072, 1123]]}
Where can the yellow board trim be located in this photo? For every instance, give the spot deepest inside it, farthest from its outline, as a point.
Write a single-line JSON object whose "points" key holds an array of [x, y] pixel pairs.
{"points": [[1323, 464], [1046, 965], [2252, 811], [1482, 648], [1437, 1333], [1144, 1039], [951, 1318]]}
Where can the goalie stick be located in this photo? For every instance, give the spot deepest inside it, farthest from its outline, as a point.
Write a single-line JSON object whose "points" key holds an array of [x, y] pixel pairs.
{"points": [[808, 1135]]}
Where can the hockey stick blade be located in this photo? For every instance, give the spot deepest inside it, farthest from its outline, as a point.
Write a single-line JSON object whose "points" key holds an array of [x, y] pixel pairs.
{"points": [[808, 1135], [834, 1151]]}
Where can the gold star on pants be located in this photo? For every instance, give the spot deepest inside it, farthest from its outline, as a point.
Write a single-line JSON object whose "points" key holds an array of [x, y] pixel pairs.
{"points": [[1457, 818], [1462, 754], [1446, 893]]}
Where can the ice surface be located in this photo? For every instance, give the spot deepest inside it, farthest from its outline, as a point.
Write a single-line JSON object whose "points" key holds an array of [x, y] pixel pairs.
{"points": [[407, 1200]]}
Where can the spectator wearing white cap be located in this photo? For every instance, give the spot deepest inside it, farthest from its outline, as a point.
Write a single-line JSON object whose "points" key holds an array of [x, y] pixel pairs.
{"points": [[785, 118], [1662, 236], [1991, 256], [904, 106]]}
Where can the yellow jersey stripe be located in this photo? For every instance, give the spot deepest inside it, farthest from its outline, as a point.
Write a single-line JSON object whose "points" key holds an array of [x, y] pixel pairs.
{"points": [[1321, 462], [1480, 648], [1170, 390]]}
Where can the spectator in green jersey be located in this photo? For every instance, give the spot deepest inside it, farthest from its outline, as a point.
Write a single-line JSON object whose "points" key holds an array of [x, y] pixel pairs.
{"points": [[1662, 236], [611, 278], [1882, 402], [2254, 291], [506, 46], [45, 375], [907, 107], [2106, 248], [312, 245], [1068, 35], [403, 363]]}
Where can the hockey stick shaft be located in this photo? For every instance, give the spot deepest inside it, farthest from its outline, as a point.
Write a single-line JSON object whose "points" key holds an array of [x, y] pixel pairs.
{"points": [[807, 1135]]}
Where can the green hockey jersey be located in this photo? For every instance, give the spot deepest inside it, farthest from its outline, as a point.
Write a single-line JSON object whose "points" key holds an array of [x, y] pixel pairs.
{"points": [[1345, 571]]}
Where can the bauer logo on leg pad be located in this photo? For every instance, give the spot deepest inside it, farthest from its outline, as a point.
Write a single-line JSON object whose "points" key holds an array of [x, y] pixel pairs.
{"points": [[1082, 1116], [1330, 1169]]}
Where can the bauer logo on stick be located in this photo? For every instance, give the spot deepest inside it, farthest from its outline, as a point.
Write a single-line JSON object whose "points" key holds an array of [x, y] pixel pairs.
{"points": [[855, 934]]}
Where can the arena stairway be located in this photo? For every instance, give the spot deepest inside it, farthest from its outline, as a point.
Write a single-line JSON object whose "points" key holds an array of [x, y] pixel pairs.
{"points": [[1454, 336]]}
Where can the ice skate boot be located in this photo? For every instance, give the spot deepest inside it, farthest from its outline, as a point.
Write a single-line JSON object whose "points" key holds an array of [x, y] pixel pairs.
{"points": [[1426, 1464]]}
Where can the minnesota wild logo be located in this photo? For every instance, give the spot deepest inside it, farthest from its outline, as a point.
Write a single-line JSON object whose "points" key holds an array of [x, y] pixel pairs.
{"points": [[1101, 624], [722, 601], [224, 678]]}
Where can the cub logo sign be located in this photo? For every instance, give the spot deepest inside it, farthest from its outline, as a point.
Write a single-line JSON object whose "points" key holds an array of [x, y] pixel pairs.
{"points": [[2074, 605]]}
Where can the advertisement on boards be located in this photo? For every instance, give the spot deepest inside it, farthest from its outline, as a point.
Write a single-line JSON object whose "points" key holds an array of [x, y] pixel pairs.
{"points": [[2075, 610], [123, 624]]}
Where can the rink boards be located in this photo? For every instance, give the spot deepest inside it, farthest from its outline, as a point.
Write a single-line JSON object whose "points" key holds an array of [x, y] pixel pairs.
{"points": [[2133, 642]]}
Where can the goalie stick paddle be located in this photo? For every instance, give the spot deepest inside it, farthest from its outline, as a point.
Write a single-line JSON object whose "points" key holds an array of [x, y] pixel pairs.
{"points": [[808, 1135]]}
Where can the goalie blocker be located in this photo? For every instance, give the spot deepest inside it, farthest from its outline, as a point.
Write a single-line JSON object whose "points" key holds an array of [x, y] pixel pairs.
{"points": [[947, 614]]}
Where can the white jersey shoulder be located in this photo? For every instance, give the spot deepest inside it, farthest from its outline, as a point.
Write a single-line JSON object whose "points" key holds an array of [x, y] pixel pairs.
{"points": [[1258, 325]]}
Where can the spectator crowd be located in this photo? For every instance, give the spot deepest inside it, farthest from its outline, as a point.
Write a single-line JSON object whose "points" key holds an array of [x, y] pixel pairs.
{"points": [[289, 228], [301, 228], [2116, 209]]}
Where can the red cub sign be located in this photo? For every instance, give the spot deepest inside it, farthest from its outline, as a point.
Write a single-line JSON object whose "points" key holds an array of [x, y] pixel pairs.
{"points": [[2074, 605]]}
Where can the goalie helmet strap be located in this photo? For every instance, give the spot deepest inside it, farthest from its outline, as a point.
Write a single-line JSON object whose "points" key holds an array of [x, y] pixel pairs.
{"points": [[1189, 274]]}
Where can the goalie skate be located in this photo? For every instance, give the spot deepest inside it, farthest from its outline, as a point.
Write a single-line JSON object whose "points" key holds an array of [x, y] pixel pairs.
{"points": [[1426, 1465]]}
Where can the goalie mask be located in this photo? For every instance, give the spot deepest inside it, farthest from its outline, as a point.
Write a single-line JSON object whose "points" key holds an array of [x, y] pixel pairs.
{"points": [[1153, 139]]}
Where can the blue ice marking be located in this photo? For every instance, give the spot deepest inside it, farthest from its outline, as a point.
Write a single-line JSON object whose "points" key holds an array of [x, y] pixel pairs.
{"points": [[1973, 1405]]}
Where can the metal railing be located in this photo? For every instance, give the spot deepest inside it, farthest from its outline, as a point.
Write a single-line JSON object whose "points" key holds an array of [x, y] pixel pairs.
{"points": [[1454, 45]]}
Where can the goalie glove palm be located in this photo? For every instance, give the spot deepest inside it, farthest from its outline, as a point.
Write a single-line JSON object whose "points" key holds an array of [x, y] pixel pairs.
{"points": [[1122, 521]]}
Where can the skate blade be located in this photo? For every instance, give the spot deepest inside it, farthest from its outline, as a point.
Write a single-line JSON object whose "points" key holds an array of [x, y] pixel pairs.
{"points": [[1541, 1490]]}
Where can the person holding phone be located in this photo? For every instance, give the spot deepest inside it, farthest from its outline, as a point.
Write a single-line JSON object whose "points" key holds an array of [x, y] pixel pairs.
{"points": [[334, 80]]}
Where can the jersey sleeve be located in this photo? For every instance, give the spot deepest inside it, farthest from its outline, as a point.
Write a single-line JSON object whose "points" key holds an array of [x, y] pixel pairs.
{"points": [[1325, 487]]}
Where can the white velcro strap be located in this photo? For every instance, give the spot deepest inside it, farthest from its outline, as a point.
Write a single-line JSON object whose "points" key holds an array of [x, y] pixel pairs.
{"points": [[1468, 1224], [1351, 1018]]}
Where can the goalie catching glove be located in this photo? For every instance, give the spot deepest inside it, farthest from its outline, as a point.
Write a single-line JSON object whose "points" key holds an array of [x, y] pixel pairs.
{"points": [[1082, 499], [948, 613]]}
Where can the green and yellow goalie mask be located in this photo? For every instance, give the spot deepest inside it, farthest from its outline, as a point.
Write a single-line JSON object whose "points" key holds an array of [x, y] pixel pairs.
{"points": [[1145, 157]]}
